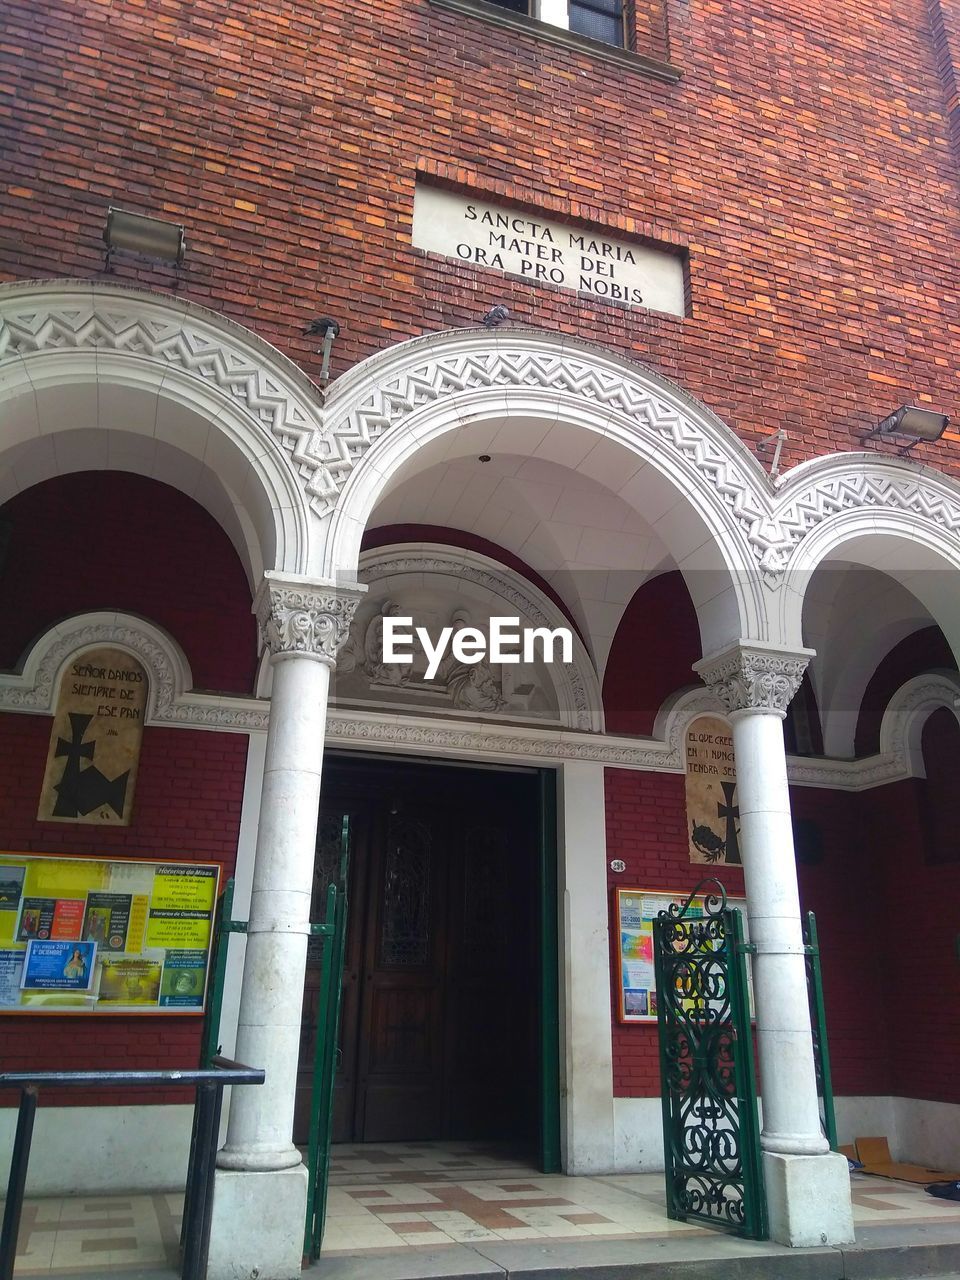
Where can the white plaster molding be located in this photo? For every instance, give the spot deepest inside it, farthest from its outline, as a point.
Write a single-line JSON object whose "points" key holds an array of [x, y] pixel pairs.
{"points": [[419, 735], [576, 684], [301, 616], [816, 491], [173, 703], [93, 355], [752, 677], [313, 448], [171, 700]]}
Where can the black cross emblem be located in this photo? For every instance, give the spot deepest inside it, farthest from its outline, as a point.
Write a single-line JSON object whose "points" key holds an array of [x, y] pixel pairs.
{"points": [[730, 812]]}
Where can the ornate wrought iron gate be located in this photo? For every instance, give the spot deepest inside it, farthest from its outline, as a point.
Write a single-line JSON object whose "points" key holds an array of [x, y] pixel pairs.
{"points": [[711, 1132]]}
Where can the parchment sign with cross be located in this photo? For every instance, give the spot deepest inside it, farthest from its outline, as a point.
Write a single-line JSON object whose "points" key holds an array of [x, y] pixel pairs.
{"points": [[713, 817], [95, 740]]}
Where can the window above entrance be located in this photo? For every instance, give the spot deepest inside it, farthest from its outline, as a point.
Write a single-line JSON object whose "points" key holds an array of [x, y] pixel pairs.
{"points": [[598, 19], [607, 29]]}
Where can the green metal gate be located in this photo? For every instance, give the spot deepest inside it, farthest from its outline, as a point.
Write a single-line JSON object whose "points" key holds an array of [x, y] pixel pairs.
{"points": [[711, 1131], [332, 932]]}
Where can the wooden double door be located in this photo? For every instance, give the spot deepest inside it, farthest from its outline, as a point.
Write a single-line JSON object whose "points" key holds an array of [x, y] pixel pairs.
{"points": [[440, 995]]}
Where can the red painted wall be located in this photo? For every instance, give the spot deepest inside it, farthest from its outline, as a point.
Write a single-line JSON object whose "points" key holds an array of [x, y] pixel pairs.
{"points": [[888, 932], [659, 623], [108, 540], [924, 650], [186, 807], [117, 541], [647, 828]]}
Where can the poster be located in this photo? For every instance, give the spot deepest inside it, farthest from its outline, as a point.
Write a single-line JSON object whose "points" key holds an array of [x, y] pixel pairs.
{"points": [[95, 740], [58, 966], [713, 826], [636, 911], [91, 935]]}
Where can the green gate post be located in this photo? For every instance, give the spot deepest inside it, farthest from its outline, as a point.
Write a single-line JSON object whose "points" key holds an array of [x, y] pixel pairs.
{"points": [[818, 1018], [333, 932], [549, 979]]}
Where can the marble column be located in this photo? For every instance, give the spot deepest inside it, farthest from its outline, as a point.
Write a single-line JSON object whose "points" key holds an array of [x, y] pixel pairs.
{"points": [[261, 1188], [808, 1186]]}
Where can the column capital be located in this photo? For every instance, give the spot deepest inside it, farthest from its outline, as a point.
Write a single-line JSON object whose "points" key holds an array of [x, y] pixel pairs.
{"points": [[305, 616], [753, 677]]}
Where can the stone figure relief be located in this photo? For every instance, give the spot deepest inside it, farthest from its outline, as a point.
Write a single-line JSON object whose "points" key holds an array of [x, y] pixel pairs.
{"points": [[514, 691]]}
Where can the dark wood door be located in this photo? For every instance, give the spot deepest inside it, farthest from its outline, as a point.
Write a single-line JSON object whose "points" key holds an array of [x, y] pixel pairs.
{"points": [[439, 1012]]}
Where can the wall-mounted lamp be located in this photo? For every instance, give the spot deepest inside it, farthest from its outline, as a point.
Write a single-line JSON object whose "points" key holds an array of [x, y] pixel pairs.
{"points": [[913, 424], [329, 329], [150, 237]]}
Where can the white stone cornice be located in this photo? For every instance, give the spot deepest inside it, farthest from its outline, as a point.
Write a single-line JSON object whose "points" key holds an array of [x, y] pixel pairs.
{"points": [[751, 678], [297, 615]]}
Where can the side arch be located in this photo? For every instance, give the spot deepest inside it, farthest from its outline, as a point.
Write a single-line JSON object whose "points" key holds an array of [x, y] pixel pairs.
{"points": [[96, 376]]}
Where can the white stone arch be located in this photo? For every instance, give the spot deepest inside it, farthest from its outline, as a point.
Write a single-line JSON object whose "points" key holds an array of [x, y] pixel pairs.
{"points": [[712, 496], [887, 513], [920, 555], [96, 376], [171, 700], [907, 712]]}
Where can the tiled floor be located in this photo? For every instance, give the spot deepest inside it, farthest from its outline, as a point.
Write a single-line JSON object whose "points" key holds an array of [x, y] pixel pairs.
{"points": [[415, 1195]]}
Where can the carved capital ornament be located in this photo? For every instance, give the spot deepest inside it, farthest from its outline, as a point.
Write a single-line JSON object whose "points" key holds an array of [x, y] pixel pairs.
{"points": [[754, 679], [306, 618]]}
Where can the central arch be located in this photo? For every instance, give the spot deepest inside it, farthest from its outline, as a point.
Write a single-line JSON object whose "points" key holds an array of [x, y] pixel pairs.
{"points": [[536, 395]]}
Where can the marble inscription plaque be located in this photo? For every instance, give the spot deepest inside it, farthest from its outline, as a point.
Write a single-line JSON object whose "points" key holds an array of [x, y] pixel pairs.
{"points": [[546, 252]]}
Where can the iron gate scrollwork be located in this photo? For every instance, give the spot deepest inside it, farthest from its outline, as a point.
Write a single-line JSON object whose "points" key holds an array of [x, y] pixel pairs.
{"points": [[711, 1130]]}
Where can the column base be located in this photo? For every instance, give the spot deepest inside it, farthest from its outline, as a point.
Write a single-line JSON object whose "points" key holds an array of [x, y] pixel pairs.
{"points": [[808, 1199], [258, 1225]]}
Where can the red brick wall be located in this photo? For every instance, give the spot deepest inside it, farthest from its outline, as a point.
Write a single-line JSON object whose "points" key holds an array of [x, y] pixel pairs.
{"points": [[287, 138], [187, 807], [660, 623], [104, 540]]}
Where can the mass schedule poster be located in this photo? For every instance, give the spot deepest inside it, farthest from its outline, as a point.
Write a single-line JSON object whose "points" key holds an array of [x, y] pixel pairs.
{"points": [[81, 935]]}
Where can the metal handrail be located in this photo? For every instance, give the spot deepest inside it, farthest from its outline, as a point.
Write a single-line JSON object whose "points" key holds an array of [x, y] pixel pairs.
{"points": [[209, 1083]]}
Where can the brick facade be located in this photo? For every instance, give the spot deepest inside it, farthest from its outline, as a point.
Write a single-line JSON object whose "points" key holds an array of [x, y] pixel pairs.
{"points": [[804, 160]]}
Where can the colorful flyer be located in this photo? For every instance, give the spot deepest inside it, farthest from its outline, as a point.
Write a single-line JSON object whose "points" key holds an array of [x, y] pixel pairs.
{"points": [[67, 919], [36, 918], [11, 973], [184, 973], [83, 934], [58, 966], [107, 919], [180, 929], [11, 887], [129, 981]]}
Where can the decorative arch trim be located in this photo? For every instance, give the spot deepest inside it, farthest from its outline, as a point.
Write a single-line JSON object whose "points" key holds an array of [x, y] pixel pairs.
{"points": [[62, 331], [171, 700]]}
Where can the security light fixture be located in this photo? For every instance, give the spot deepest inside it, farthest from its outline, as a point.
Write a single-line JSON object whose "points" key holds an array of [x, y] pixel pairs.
{"points": [[913, 424], [127, 232], [329, 329]]}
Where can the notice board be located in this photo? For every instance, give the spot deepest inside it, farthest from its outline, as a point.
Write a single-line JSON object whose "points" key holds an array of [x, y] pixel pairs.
{"points": [[97, 935], [636, 911]]}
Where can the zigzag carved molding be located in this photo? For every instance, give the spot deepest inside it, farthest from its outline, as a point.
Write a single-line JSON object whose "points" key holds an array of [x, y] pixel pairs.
{"points": [[325, 446]]}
